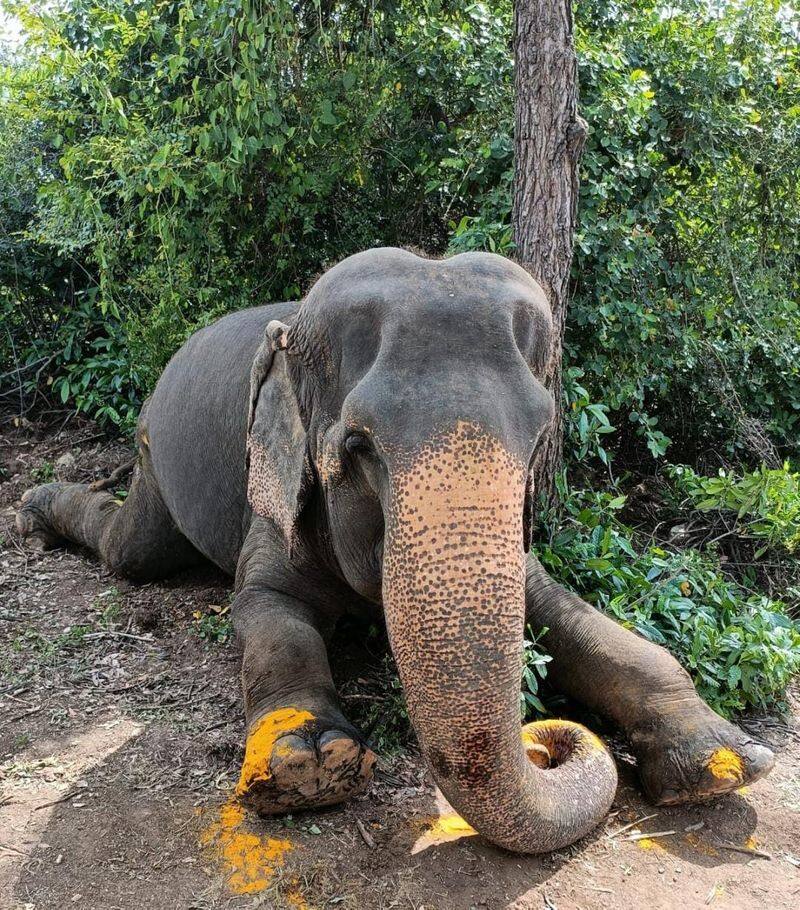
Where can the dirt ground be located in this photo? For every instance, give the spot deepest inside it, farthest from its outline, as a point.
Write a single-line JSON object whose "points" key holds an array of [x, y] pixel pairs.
{"points": [[121, 734]]}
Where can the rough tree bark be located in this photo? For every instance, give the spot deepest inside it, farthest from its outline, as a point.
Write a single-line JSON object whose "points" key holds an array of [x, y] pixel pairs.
{"points": [[549, 139]]}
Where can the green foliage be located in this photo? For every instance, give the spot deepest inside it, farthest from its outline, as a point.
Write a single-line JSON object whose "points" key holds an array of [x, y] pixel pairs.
{"points": [[586, 422], [107, 608], [214, 627], [534, 669], [44, 473], [47, 649], [684, 312], [764, 503], [741, 648], [164, 162], [193, 157], [376, 704], [96, 371], [686, 283]]}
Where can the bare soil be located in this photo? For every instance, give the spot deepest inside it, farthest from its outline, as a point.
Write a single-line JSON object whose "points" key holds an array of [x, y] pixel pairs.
{"points": [[121, 735]]}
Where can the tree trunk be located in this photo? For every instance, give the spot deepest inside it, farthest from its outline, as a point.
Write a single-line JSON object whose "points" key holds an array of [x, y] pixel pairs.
{"points": [[549, 139]]}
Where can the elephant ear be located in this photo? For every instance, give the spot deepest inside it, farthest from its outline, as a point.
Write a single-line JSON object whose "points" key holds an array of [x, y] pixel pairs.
{"points": [[280, 477]]}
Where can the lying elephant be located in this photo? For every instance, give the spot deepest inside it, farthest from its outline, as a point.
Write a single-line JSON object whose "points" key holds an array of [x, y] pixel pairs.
{"points": [[370, 447]]}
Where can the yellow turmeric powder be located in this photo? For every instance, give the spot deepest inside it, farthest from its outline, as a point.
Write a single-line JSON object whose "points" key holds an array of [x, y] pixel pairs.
{"points": [[450, 826], [261, 742], [248, 860], [648, 843], [725, 764]]}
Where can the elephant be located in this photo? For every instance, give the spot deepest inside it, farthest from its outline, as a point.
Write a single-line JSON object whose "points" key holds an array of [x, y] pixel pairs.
{"points": [[370, 449]]}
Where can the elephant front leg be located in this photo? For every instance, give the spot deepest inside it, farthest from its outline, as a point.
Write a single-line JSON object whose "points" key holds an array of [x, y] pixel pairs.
{"points": [[300, 752], [685, 751]]}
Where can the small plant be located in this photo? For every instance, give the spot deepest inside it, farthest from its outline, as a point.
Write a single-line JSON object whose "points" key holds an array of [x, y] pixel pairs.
{"points": [[535, 662], [45, 648], [215, 627], [21, 741], [107, 607], [44, 473], [376, 704]]}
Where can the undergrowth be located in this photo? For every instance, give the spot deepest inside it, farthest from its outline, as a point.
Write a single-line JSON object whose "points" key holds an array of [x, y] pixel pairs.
{"points": [[763, 504], [740, 647]]}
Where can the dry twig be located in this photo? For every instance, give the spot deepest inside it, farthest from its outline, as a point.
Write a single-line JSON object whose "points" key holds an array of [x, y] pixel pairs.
{"points": [[365, 835], [750, 851], [650, 835], [630, 825]]}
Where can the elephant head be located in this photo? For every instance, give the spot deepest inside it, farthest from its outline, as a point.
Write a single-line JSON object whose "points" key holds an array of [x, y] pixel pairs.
{"points": [[396, 419]]}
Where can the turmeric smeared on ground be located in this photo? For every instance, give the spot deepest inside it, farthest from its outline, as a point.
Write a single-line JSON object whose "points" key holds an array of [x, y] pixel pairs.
{"points": [[294, 896], [441, 830], [248, 860], [647, 843], [261, 742], [725, 764], [451, 826]]}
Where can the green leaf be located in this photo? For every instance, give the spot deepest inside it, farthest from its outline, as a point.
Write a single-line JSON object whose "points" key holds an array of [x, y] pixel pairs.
{"points": [[598, 564]]}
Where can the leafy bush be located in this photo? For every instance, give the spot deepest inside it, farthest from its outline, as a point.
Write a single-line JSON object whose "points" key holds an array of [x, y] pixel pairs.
{"points": [[686, 287], [764, 503], [684, 314], [189, 158], [741, 648], [164, 163]]}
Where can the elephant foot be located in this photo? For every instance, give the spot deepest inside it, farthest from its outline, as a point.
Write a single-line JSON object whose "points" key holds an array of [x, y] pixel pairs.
{"points": [[700, 764], [32, 519], [293, 761]]}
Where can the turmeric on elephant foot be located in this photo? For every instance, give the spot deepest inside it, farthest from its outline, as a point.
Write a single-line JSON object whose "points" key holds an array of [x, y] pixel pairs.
{"points": [[291, 764], [707, 764], [725, 764], [261, 744]]}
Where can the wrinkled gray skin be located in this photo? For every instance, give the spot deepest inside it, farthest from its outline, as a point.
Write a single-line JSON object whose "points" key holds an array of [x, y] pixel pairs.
{"points": [[392, 417]]}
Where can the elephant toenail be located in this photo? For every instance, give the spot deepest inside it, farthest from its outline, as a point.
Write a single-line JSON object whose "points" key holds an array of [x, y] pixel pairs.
{"points": [[333, 736]]}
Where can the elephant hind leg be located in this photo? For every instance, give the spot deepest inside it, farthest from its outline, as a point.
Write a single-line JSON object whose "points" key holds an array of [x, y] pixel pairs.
{"points": [[136, 538]]}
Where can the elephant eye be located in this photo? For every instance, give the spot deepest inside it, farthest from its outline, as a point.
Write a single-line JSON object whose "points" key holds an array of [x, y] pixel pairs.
{"points": [[357, 442]]}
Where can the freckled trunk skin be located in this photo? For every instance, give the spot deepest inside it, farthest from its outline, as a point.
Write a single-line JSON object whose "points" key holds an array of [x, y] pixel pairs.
{"points": [[454, 576]]}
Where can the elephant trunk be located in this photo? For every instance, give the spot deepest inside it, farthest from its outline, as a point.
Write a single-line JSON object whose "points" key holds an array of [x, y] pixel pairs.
{"points": [[454, 582]]}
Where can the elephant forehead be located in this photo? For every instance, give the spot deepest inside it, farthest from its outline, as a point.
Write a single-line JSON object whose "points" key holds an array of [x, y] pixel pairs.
{"points": [[390, 283]]}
